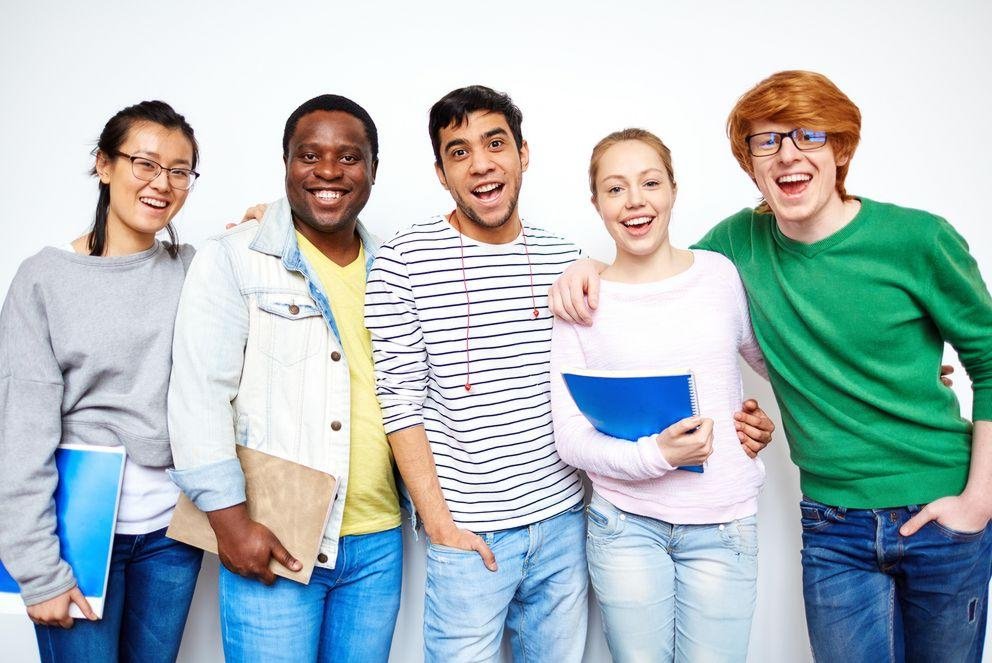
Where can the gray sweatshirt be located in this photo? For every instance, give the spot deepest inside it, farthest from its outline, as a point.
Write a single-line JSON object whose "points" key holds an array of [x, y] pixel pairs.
{"points": [[85, 356]]}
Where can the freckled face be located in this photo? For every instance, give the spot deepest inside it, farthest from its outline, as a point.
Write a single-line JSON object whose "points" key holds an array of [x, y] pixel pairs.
{"points": [[799, 186]]}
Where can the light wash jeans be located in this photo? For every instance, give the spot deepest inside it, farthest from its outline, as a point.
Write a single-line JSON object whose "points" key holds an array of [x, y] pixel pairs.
{"points": [[345, 614], [149, 590], [873, 595], [672, 592], [539, 593]]}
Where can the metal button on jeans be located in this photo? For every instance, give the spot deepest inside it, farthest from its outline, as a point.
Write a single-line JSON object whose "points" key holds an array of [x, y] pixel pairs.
{"points": [[322, 558], [294, 309], [335, 425], [335, 356]]}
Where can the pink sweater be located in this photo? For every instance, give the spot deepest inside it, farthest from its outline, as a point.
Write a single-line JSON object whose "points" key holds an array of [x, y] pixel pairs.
{"points": [[697, 320]]}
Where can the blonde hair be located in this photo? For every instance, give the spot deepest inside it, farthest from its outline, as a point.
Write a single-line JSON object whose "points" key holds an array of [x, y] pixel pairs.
{"points": [[802, 99], [641, 135]]}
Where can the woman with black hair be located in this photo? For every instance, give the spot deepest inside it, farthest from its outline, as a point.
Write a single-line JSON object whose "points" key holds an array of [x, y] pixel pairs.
{"points": [[85, 356]]}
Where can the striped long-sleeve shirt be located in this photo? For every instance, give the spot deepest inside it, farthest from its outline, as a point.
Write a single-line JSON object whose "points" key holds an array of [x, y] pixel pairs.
{"points": [[446, 311]]}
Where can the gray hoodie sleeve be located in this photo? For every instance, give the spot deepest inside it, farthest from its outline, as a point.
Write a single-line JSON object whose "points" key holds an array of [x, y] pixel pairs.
{"points": [[30, 429]]}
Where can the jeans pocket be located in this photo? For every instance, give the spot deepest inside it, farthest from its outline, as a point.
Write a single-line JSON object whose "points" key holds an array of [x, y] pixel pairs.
{"points": [[741, 536], [447, 550], [815, 516], [604, 521], [957, 535]]}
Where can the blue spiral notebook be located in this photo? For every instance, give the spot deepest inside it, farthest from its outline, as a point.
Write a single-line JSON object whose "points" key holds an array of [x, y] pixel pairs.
{"points": [[631, 404], [86, 501]]}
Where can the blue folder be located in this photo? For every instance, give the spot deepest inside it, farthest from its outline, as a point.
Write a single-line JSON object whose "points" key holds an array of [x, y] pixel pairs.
{"points": [[631, 404], [86, 501]]}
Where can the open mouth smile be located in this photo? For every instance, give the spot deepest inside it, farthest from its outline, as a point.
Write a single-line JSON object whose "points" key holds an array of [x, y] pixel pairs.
{"points": [[156, 203], [637, 225], [793, 183], [488, 192], [327, 195]]}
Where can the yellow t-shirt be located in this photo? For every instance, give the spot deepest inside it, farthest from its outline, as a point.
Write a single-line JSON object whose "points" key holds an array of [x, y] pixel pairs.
{"points": [[371, 504]]}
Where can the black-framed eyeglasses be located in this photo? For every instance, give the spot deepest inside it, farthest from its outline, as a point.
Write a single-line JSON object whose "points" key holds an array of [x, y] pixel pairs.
{"points": [[147, 169], [768, 143]]}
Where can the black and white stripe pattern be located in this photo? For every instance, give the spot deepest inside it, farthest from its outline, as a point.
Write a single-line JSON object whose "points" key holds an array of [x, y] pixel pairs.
{"points": [[493, 446]]}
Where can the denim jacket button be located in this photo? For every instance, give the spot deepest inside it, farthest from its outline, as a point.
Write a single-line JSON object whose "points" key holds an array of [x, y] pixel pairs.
{"points": [[322, 558], [294, 309], [335, 425], [335, 356]]}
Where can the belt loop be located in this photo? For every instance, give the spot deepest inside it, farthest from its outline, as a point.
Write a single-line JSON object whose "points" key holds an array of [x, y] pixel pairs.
{"points": [[841, 512]]}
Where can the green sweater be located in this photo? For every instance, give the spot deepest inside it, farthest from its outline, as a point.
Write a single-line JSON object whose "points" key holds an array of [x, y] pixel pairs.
{"points": [[853, 330]]}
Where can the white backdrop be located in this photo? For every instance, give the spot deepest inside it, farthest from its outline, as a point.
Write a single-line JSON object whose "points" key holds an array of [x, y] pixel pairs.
{"points": [[919, 71]]}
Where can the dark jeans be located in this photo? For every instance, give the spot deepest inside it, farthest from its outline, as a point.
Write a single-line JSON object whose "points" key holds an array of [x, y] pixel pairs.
{"points": [[875, 596], [148, 595]]}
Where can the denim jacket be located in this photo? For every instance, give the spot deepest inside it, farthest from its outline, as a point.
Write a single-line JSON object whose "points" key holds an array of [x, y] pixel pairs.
{"points": [[257, 360]]}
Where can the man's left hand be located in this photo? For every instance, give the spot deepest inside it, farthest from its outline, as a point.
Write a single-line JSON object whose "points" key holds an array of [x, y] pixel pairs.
{"points": [[754, 428], [957, 512]]}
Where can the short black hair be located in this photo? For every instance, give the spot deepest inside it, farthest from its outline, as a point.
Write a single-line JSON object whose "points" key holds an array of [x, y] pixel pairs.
{"points": [[454, 108], [332, 102]]}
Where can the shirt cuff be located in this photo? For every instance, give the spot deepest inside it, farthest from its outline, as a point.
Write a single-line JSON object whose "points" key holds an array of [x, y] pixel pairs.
{"points": [[214, 486], [652, 456]]}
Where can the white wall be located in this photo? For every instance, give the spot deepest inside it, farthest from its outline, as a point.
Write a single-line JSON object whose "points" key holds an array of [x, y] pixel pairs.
{"points": [[919, 72]]}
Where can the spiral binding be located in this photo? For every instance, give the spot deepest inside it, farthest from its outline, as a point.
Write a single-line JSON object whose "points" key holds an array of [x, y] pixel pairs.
{"points": [[693, 398]]}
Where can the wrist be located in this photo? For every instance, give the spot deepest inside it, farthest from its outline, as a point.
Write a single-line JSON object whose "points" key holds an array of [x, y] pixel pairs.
{"points": [[439, 532], [978, 500], [232, 518]]}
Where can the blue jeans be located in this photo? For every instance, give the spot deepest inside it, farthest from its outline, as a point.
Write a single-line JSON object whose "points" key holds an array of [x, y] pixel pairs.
{"points": [[149, 590], [344, 614], [672, 592], [873, 595], [539, 593]]}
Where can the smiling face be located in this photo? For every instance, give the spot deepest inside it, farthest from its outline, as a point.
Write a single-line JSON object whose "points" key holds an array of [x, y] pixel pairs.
{"points": [[140, 209], [329, 172], [799, 187], [482, 168], [634, 196]]}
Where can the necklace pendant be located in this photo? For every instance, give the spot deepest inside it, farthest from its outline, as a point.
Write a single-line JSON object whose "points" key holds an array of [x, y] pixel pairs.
{"points": [[536, 313], [468, 386]]}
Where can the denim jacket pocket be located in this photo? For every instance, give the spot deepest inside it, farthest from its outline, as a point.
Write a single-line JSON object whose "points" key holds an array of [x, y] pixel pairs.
{"points": [[290, 327]]}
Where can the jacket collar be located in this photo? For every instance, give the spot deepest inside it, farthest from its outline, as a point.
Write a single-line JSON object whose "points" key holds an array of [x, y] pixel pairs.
{"points": [[277, 237]]}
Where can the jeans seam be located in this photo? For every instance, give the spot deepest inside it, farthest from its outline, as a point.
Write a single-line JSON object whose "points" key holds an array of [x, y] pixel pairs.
{"points": [[891, 622]]}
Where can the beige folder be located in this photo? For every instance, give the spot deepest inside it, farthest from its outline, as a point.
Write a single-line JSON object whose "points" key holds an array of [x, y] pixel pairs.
{"points": [[292, 500]]}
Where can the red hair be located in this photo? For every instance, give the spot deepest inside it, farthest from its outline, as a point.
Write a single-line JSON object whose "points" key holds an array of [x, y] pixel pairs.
{"points": [[799, 99]]}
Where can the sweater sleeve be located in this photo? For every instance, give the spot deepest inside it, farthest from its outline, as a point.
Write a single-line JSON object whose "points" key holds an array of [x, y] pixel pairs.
{"points": [[578, 443], [959, 302], [30, 430], [748, 346], [399, 353]]}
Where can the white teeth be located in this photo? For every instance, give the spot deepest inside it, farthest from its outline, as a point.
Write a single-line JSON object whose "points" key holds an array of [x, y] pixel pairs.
{"points": [[486, 188], [639, 221], [795, 177], [153, 202], [327, 195]]}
